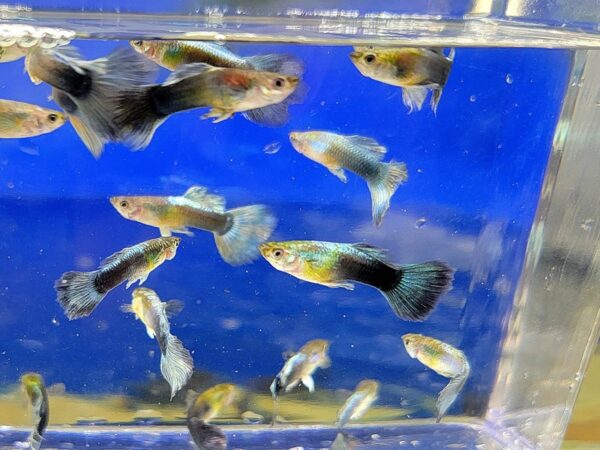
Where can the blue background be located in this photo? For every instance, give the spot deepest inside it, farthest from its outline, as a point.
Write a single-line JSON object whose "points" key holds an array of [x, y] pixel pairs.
{"points": [[475, 173]]}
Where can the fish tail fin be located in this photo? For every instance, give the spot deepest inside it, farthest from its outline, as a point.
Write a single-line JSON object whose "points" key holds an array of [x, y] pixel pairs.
{"points": [[77, 293], [121, 71], [249, 226], [418, 289], [137, 116], [278, 114], [176, 364], [384, 185], [205, 436], [277, 63], [450, 392], [440, 71], [35, 440]]}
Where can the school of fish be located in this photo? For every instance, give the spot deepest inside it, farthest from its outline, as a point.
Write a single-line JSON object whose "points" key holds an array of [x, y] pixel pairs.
{"points": [[116, 99]]}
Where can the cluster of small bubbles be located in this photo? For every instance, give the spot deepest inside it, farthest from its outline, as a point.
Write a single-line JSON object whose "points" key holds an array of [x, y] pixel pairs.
{"points": [[26, 36]]}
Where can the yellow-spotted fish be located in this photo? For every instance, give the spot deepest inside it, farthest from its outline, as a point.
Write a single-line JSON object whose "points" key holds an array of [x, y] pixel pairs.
{"points": [[237, 231], [359, 402], [412, 290], [416, 70], [22, 120], [35, 389], [172, 54], [88, 90], [202, 408], [80, 292], [445, 360], [264, 97], [176, 363], [300, 367], [360, 155]]}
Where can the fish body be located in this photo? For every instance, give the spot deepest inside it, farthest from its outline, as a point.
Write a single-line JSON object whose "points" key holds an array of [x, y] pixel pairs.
{"points": [[262, 96], [35, 389], [443, 359], [300, 367], [359, 402], [202, 408], [237, 232], [12, 53], [80, 292], [22, 120], [416, 70], [412, 290], [358, 154], [87, 90], [176, 362]]}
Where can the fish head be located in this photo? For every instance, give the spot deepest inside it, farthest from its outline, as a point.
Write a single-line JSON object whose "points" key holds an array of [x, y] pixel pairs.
{"points": [[43, 121], [370, 387], [282, 256], [171, 245], [132, 208], [31, 383], [411, 342], [374, 63], [271, 88], [141, 300], [146, 48], [312, 144], [316, 351]]}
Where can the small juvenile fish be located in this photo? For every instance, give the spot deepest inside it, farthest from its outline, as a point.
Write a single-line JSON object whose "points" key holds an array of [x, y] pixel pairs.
{"points": [[416, 70], [176, 363], [35, 389], [237, 231], [300, 367], [360, 155], [22, 120], [80, 292], [87, 90], [445, 360], [202, 408], [359, 402], [412, 290], [172, 54], [264, 98]]}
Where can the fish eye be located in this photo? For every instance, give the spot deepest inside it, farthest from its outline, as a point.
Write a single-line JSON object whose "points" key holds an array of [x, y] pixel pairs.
{"points": [[277, 253], [124, 203], [369, 58], [137, 43], [52, 117], [279, 82]]}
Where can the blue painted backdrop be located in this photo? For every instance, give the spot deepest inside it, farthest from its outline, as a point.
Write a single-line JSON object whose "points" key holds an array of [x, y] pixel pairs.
{"points": [[475, 173]]}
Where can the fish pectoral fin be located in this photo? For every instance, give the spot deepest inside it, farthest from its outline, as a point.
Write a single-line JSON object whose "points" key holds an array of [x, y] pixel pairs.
{"points": [[219, 114], [184, 230], [142, 278], [309, 383], [343, 284], [165, 232], [150, 333], [339, 172]]}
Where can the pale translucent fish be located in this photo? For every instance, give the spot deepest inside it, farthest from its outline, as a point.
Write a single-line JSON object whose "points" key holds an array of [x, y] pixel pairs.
{"points": [[359, 402], [22, 120]]}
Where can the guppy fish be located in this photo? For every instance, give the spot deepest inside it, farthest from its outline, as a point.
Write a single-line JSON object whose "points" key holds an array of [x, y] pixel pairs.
{"points": [[22, 120], [237, 231], [300, 367], [416, 70], [412, 290], [88, 90], [176, 363], [445, 360], [360, 155], [35, 389], [80, 292], [359, 402], [172, 54], [202, 408], [263, 96]]}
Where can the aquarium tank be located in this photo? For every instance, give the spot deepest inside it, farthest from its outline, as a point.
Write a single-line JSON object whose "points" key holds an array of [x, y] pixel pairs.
{"points": [[297, 224]]}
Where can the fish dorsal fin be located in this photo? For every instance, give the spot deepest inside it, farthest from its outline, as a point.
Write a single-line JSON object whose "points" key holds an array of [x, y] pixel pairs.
{"points": [[368, 144], [173, 307], [118, 256], [200, 195], [371, 250], [187, 70]]}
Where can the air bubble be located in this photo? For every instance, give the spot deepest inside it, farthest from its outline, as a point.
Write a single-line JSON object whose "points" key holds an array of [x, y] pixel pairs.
{"points": [[509, 78], [272, 148], [472, 98], [420, 222]]}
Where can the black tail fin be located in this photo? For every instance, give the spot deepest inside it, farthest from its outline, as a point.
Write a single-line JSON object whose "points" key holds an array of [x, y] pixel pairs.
{"points": [[205, 436], [77, 293], [419, 288]]}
